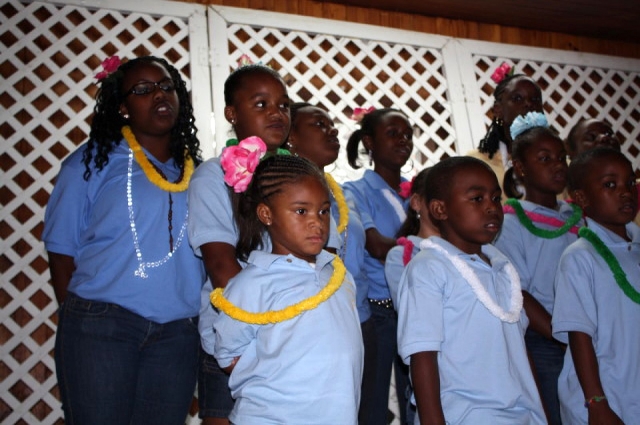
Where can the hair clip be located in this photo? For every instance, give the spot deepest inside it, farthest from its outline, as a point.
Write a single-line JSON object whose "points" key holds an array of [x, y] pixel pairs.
{"points": [[523, 123], [239, 161], [405, 188], [501, 72], [244, 61], [109, 66], [359, 113]]}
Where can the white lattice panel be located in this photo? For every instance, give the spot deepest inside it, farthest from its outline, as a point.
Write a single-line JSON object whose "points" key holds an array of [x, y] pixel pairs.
{"points": [[48, 58], [341, 70]]}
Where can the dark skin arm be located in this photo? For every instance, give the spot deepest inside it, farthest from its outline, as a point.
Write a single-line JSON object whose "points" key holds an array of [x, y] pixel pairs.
{"points": [[61, 267], [586, 363], [539, 318], [378, 245], [426, 386], [221, 265]]}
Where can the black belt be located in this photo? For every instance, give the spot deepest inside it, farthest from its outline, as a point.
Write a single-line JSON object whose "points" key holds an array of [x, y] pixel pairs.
{"points": [[386, 303]]}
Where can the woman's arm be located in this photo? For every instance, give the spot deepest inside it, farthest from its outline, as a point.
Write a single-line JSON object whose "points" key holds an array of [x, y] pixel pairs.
{"points": [[586, 364], [426, 386], [220, 262], [378, 245], [61, 267]]}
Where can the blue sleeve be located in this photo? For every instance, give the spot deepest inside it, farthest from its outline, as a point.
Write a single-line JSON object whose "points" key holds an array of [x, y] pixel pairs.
{"points": [[393, 268], [359, 199], [511, 243], [67, 207]]}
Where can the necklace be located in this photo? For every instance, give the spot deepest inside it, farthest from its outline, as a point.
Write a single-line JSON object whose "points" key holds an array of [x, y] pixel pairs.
{"points": [[527, 218], [343, 209], [142, 265], [276, 316], [511, 316], [151, 171], [618, 274]]}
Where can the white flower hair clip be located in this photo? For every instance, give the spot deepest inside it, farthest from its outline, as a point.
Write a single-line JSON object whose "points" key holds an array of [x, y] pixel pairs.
{"points": [[523, 123]]}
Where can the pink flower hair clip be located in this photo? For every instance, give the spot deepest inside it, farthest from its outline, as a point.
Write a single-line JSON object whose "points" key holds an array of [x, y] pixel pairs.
{"points": [[359, 113], [405, 188], [109, 66], [239, 161], [501, 72], [244, 61]]}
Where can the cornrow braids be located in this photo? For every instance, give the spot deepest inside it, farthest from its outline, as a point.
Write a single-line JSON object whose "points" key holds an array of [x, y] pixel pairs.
{"points": [[268, 180], [107, 123], [495, 133], [367, 128]]}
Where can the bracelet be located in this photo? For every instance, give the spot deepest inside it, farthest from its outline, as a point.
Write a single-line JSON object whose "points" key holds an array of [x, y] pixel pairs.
{"points": [[595, 399]]}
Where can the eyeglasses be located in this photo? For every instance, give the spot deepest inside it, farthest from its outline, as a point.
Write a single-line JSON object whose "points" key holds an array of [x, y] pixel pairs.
{"points": [[147, 87]]}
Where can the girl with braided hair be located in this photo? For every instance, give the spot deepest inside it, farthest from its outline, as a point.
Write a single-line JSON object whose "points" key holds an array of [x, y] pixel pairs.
{"points": [[288, 331], [126, 279]]}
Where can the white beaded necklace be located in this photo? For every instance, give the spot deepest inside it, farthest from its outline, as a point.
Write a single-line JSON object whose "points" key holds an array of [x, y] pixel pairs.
{"points": [[142, 265], [511, 316]]}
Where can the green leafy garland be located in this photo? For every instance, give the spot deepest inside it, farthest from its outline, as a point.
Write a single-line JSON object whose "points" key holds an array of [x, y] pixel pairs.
{"points": [[544, 233], [612, 262]]}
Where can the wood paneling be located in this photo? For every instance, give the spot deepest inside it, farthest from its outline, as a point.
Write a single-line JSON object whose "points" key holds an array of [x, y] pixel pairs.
{"points": [[476, 30]]}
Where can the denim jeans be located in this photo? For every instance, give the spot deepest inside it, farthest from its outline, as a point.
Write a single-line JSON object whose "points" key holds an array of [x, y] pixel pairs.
{"points": [[115, 367], [548, 358], [386, 323], [214, 396]]}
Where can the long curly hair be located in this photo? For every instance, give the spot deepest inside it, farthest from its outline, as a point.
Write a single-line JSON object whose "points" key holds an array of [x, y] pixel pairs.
{"points": [[107, 121], [495, 133]]}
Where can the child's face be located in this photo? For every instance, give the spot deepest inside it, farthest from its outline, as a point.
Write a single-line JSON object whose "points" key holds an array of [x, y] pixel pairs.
{"points": [[520, 96], [609, 194], [593, 133], [297, 219], [471, 215], [392, 143], [543, 168], [260, 108], [153, 113], [315, 137]]}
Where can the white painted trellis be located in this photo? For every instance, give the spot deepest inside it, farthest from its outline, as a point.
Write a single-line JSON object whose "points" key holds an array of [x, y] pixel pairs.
{"points": [[50, 52]]}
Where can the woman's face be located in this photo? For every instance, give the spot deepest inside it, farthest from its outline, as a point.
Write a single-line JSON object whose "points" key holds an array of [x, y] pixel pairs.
{"points": [[313, 136], [150, 100], [521, 95]]}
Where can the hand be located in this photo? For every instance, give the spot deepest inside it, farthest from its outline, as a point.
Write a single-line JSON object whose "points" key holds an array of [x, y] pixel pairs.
{"points": [[229, 368], [601, 414]]}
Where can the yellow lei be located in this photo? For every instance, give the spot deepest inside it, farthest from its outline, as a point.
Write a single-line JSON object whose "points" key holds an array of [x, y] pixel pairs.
{"points": [[275, 316], [150, 171], [343, 209]]}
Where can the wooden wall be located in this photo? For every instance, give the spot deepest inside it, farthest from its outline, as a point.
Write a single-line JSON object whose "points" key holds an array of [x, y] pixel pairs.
{"points": [[441, 26]]}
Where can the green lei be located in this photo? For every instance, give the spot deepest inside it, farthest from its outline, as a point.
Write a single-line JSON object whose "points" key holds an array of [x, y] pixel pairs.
{"points": [[279, 151], [544, 233], [612, 262]]}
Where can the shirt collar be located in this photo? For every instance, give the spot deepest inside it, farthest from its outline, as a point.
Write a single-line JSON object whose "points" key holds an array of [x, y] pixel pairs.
{"points": [[611, 239], [265, 260], [498, 260]]}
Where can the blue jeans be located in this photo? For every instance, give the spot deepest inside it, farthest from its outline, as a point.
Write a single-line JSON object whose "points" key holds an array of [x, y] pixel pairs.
{"points": [[115, 367], [214, 396], [385, 321], [548, 358]]}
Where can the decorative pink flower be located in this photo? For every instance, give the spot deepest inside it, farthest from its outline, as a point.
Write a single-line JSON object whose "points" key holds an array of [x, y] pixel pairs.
{"points": [[239, 162], [502, 71], [244, 61], [109, 66], [405, 189], [359, 113]]}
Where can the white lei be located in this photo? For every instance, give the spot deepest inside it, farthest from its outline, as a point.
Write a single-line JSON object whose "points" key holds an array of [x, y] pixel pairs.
{"points": [[143, 265], [511, 316], [395, 204]]}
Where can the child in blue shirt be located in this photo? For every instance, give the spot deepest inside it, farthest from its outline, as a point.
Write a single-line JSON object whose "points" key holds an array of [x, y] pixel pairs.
{"points": [[288, 331], [597, 300], [535, 233], [461, 323]]}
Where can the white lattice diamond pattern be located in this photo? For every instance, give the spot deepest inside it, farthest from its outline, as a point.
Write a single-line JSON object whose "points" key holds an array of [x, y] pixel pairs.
{"points": [[342, 73], [48, 59], [571, 93]]}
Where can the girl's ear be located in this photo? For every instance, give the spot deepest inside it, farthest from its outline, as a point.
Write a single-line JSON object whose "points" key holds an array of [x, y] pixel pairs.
{"points": [[438, 209], [580, 199], [519, 168], [496, 109], [415, 202], [264, 214], [230, 114], [367, 142]]}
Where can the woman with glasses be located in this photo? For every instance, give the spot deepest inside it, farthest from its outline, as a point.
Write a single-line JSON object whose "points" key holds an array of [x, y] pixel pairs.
{"points": [[126, 279]]}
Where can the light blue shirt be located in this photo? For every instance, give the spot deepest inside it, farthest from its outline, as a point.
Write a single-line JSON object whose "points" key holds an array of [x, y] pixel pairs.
{"points": [[89, 221], [589, 300], [306, 370], [211, 220], [485, 376], [394, 266], [370, 195], [535, 258]]}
